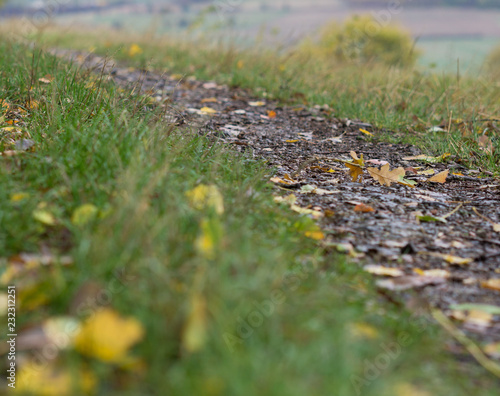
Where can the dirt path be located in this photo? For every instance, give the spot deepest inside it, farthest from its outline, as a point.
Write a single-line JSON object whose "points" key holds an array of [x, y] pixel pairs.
{"points": [[376, 224]]}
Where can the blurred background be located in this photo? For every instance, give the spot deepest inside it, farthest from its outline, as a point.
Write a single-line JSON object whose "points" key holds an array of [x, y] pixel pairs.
{"points": [[443, 30]]}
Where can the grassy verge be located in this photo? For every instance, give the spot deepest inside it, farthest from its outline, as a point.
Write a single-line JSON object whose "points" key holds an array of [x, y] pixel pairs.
{"points": [[159, 263], [407, 102]]}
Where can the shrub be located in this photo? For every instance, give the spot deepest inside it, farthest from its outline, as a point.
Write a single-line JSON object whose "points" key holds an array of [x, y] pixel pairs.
{"points": [[362, 39]]}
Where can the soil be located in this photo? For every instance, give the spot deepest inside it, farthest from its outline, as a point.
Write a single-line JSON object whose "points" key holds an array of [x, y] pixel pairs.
{"points": [[304, 145]]}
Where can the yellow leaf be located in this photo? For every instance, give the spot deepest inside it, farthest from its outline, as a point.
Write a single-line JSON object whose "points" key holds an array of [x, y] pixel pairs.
{"points": [[492, 284], [314, 213], [365, 132], [206, 242], [84, 214], [317, 235], [456, 260], [428, 172], [47, 380], [44, 217], [240, 64], [207, 111], [134, 50], [292, 141], [17, 197], [364, 330], [209, 100], [355, 172], [206, 197], [195, 331], [440, 177], [404, 389], [107, 336], [386, 177], [256, 104]]}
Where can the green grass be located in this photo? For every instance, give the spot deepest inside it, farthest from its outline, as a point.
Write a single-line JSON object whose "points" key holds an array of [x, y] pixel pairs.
{"points": [[272, 313]]}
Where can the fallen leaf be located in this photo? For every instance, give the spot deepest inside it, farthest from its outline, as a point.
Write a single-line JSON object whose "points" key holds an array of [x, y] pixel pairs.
{"points": [[428, 218], [385, 271], [289, 200], [18, 197], [363, 208], [271, 114], [473, 317], [454, 260], [292, 141], [427, 172], [492, 284], [493, 350], [355, 172], [437, 273], [314, 213], [386, 177], [365, 132], [44, 217], [309, 189], [134, 50], [84, 214], [209, 100], [440, 177], [376, 162], [48, 380], [257, 104], [207, 111], [205, 197], [108, 336], [195, 331]]}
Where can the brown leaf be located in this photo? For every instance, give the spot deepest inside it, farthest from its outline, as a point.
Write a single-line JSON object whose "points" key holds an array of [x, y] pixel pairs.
{"points": [[355, 172], [363, 208], [492, 284], [386, 177], [440, 177]]}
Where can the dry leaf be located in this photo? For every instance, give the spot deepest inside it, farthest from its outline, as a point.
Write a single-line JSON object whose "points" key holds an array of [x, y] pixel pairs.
{"points": [[209, 100], [309, 189], [207, 111], [440, 177], [271, 114], [108, 336], [363, 208], [492, 284], [355, 172], [257, 104], [365, 132], [385, 271], [386, 177], [437, 273]]}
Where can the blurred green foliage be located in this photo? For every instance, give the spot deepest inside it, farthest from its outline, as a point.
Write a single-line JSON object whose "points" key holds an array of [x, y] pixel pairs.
{"points": [[362, 39]]}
